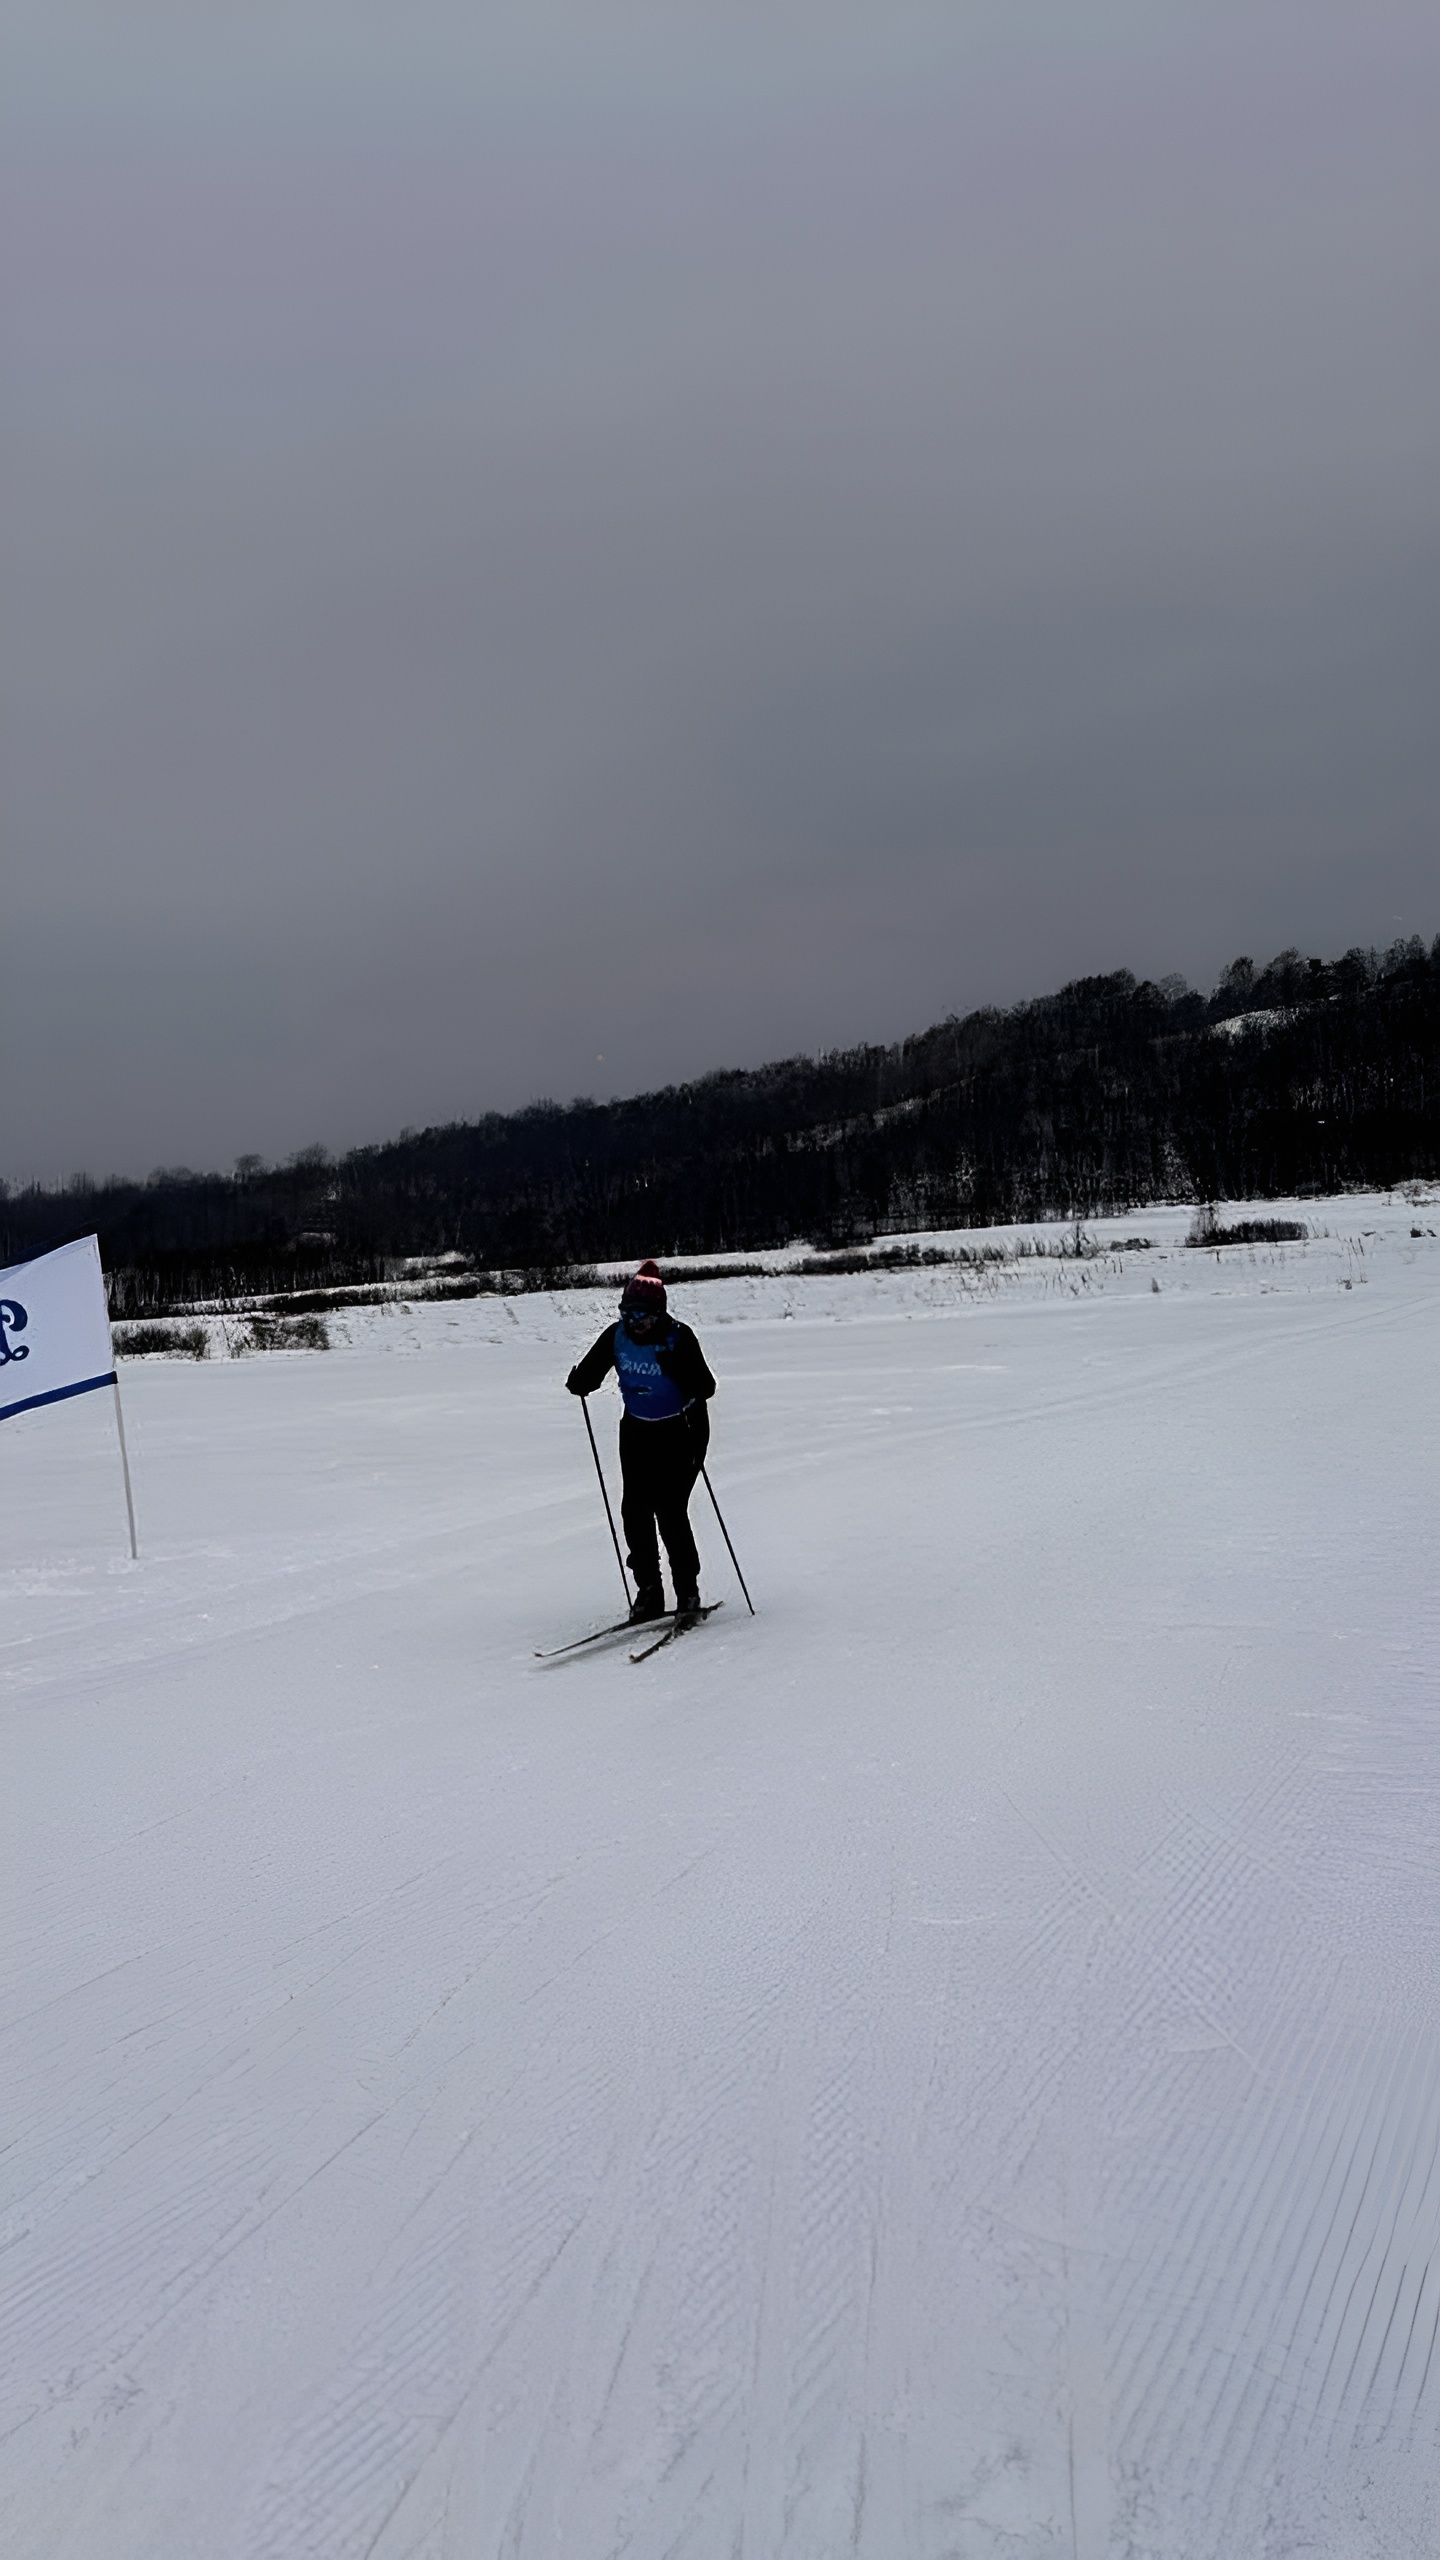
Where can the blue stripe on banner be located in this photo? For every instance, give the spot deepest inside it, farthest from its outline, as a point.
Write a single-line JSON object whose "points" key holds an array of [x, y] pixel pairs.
{"points": [[57, 1395]]}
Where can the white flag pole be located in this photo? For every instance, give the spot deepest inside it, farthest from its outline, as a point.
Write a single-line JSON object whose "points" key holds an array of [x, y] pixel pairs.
{"points": [[125, 1466], [120, 1429]]}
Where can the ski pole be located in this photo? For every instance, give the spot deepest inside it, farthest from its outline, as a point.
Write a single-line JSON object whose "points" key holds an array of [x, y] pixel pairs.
{"points": [[725, 1534], [605, 1498]]}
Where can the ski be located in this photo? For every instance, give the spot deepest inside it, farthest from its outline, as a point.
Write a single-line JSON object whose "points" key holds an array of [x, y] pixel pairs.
{"points": [[678, 1627], [577, 1644], [620, 1627]]}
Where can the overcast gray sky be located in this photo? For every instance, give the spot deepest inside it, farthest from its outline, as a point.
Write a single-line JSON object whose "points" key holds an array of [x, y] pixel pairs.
{"points": [[551, 547]]}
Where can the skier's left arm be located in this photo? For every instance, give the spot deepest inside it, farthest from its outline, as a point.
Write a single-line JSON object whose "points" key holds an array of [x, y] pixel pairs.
{"points": [[685, 1365]]}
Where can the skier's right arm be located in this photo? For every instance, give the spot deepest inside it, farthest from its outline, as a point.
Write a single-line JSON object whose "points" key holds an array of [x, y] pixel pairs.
{"points": [[599, 1360]]}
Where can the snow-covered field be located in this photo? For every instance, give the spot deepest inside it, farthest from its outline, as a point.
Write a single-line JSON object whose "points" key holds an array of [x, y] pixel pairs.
{"points": [[948, 2067]]}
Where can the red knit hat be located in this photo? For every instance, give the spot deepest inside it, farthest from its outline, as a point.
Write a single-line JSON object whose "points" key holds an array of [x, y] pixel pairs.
{"points": [[645, 1293]]}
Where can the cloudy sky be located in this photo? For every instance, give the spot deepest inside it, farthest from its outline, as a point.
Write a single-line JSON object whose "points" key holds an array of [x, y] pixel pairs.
{"points": [[549, 547]]}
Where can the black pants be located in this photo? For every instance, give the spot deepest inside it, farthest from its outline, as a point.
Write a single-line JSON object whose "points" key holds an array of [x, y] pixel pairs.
{"points": [[659, 1462]]}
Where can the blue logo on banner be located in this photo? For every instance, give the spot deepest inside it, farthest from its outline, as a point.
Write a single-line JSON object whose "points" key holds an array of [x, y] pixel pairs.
{"points": [[13, 1319]]}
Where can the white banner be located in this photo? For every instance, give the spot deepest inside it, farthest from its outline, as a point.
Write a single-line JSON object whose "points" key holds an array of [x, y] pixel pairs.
{"points": [[54, 1328]]}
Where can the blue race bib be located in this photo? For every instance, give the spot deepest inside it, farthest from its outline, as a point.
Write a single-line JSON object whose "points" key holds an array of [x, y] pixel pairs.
{"points": [[649, 1395]]}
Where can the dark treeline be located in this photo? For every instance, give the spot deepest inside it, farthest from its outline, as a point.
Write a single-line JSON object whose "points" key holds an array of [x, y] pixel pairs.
{"points": [[1306, 1076]]}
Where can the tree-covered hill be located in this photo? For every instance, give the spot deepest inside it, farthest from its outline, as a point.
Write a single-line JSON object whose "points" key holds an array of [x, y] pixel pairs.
{"points": [[1302, 1076]]}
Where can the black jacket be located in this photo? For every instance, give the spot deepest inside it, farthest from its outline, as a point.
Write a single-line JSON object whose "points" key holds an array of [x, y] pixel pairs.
{"points": [[680, 1357]]}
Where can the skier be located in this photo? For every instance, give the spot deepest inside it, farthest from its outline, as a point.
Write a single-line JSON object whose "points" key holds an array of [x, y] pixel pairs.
{"points": [[664, 1434]]}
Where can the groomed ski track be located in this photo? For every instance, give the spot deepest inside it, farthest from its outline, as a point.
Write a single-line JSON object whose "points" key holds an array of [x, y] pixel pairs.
{"points": [[948, 2068]]}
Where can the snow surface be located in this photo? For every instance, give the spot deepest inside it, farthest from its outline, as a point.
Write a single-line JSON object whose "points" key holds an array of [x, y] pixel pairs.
{"points": [[948, 2067]]}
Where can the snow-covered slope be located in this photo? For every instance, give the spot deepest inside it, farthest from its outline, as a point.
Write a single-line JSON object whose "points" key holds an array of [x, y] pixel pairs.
{"points": [[950, 2066]]}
